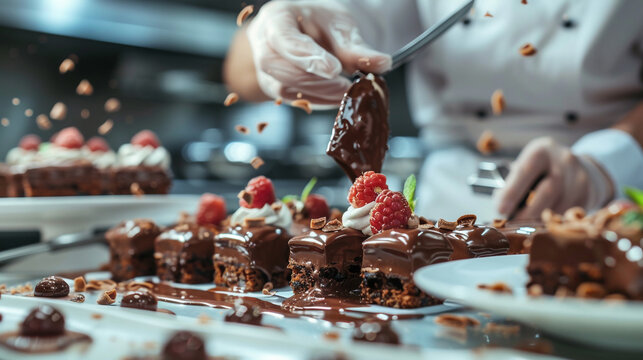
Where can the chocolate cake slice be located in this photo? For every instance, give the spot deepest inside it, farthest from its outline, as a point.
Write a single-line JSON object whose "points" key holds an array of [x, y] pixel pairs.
{"points": [[184, 252], [392, 257], [131, 248], [247, 257], [62, 178], [329, 259], [149, 179]]}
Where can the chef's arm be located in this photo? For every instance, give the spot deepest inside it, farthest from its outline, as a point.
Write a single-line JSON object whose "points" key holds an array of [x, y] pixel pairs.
{"points": [[633, 124], [239, 71]]}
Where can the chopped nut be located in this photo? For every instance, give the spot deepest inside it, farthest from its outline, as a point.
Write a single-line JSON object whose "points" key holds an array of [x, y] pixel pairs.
{"points": [[503, 329], [563, 292], [456, 321], [78, 298], [303, 104], [299, 95], [331, 335], [244, 13], [136, 190], [79, 284], [527, 50], [111, 293], [256, 162], [105, 299], [524, 2], [426, 226], [488, 14], [499, 223], [4, 122], [332, 225], [84, 113], [498, 102], [242, 129], [593, 271], [58, 111], [530, 198], [499, 287], [268, 286], [446, 225], [487, 143], [15, 101], [112, 105], [245, 196], [135, 285], [278, 101], [318, 223], [100, 285], [84, 88], [574, 214], [97, 316], [254, 222], [43, 122], [203, 319], [106, 127], [231, 99], [414, 222], [268, 292], [66, 66], [535, 290], [336, 214], [590, 290], [466, 220], [261, 126]]}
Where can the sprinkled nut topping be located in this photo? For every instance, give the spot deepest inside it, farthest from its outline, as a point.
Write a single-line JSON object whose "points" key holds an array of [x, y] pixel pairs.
{"points": [[261, 126], [456, 321], [106, 127], [332, 225], [466, 220], [318, 223], [487, 143], [79, 284], [256, 162], [446, 225], [528, 50], [498, 103]]}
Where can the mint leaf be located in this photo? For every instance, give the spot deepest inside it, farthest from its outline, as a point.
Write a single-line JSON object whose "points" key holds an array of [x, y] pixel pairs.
{"points": [[633, 217], [308, 188], [288, 198], [409, 190], [635, 195], [44, 146]]}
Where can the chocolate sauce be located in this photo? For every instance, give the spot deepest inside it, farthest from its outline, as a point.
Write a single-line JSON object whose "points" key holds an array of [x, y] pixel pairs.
{"points": [[245, 313], [360, 134], [517, 232], [140, 300], [51, 286], [42, 331], [184, 345], [376, 331], [480, 241]]}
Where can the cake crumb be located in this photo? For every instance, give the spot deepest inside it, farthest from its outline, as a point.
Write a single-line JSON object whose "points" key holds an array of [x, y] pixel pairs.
{"points": [[502, 329], [136, 190], [278, 101], [528, 50], [106, 127], [105, 299], [413, 222], [261, 126], [332, 225], [524, 2], [242, 129], [303, 104], [84, 88], [498, 103], [299, 95], [232, 98], [488, 14], [467, 220], [244, 13], [456, 321], [112, 105], [66, 66], [97, 316], [5, 122], [79, 284], [15, 101], [331, 335], [256, 162], [318, 223], [498, 287], [58, 111], [487, 143], [84, 113], [203, 319]]}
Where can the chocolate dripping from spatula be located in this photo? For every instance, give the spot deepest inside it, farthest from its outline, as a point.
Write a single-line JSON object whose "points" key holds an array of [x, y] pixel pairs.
{"points": [[359, 139]]}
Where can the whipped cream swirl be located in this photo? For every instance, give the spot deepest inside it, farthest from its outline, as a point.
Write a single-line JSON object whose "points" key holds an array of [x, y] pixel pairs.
{"points": [[281, 218], [20, 156], [57, 153], [101, 159], [134, 155], [359, 218]]}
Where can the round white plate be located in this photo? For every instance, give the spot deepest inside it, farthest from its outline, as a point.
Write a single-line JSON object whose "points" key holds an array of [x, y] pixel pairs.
{"points": [[603, 323], [69, 214]]}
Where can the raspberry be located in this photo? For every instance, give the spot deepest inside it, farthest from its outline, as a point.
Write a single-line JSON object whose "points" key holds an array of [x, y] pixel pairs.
{"points": [[212, 210], [30, 142], [365, 188], [69, 138], [146, 138], [391, 211], [97, 144], [316, 206], [261, 191]]}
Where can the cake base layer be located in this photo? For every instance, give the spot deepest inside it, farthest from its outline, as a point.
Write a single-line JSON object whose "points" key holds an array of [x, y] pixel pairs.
{"points": [[380, 289], [242, 277]]}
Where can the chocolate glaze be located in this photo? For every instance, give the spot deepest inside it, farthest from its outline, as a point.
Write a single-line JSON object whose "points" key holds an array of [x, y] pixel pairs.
{"points": [[184, 253], [360, 134], [245, 313], [131, 247], [376, 331], [184, 345], [624, 275], [517, 232], [140, 300], [51, 286], [263, 247], [480, 241]]}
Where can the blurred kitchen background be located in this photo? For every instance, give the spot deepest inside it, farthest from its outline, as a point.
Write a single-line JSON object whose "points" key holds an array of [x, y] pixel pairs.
{"points": [[162, 59]]}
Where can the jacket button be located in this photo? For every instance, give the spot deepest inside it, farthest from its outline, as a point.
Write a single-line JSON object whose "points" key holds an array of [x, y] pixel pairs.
{"points": [[571, 117]]}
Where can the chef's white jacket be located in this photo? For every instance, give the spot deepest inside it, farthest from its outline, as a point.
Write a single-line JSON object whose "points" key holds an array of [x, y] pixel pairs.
{"points": [[587, 73]]}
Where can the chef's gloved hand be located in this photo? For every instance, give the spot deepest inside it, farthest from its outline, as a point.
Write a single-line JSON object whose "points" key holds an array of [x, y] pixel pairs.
{"points": [[567, 180], [303, 46]]}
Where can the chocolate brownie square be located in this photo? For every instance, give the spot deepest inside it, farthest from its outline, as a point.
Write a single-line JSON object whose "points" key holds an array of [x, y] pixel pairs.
{"points": [[66, 178], [131, 247], [150, 180], [184, 253]]}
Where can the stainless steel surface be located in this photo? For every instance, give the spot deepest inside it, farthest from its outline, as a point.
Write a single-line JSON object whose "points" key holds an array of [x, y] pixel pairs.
{"points": [[65, 241], [489, 177], [429, 35]]}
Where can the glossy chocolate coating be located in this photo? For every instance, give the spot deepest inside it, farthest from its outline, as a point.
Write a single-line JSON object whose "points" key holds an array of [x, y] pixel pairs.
{"points": [[43, 321], [380, 332], [184, 253], [321, 248], [360, 134], [184, 346], [517, 232], [52, 286], [263, 247], [140, 300], [245, 313], [479, 241], [624, 274], [136, 235]]}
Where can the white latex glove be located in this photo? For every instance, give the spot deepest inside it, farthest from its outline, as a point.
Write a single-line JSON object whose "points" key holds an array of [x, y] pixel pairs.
{"points": [[303, 46], [568, 180]]}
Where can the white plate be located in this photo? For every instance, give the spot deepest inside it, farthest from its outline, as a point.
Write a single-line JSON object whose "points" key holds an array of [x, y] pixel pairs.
{"points": [[68, 214], [609, 324]]}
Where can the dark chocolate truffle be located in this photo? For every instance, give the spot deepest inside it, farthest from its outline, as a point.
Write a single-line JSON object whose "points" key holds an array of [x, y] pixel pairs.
{"points": [[52, 286], [379, 332], [184, 345], [43, 320], [140, 300]]}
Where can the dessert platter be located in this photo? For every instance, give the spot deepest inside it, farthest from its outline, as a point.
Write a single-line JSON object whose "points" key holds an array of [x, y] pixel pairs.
{"points": [[295, 278]]}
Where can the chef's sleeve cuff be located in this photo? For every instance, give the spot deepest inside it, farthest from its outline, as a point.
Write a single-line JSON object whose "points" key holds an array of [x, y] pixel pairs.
{"points": [[618, 154]]}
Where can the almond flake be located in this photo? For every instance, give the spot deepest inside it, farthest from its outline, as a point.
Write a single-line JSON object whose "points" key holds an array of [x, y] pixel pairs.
{"points": [[488, 14], [466, 220], [112, 105], [446, 225], [302, 104], [58, 111], [106, 127], [242, 129], [66, 66], [318, 223], [499, 223], [244, 13], [456, 321], [231, 99], [79, 284], [498, 103], [528, 50], [498, 287], [84, 88], [136, 190], [43, 122], [256, 162], [332, 225], [261, 127], [487, 143]]}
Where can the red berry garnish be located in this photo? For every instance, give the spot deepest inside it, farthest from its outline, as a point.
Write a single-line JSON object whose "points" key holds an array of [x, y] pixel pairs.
{"points": [[261, 192], [30, 142], [69, 138], [391, 211], [97, 144], [146, 138], [212, 210], [366, 188], [316, 206]]}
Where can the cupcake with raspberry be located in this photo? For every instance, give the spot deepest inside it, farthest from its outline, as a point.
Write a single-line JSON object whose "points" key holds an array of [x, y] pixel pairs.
{"points": [[18, 158], [402, 243], [103, 158], [65, 145], [253, 250], [26, 152], [143, 166]]}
